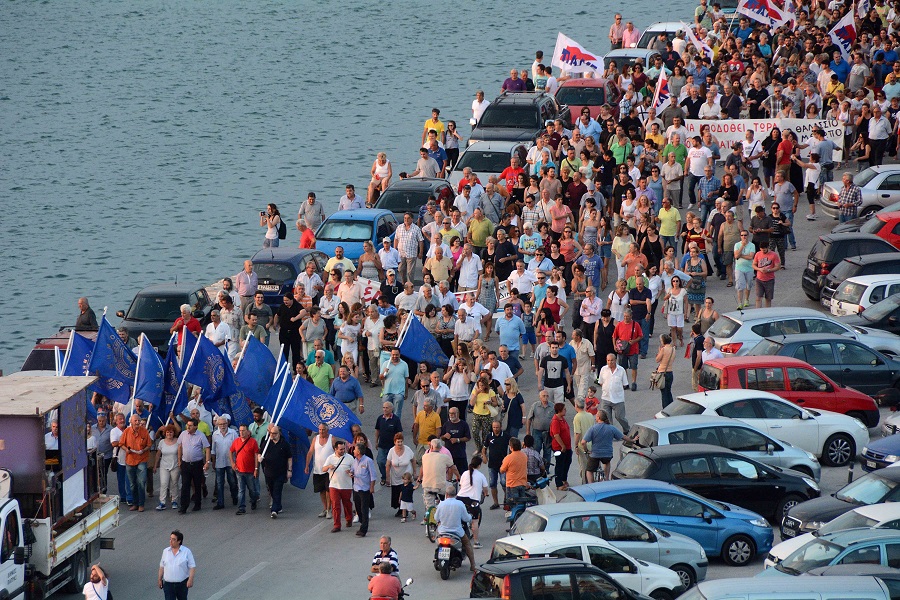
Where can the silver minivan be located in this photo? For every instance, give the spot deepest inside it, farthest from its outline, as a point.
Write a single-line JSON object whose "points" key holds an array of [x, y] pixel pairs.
{"points": [[728, 433]]}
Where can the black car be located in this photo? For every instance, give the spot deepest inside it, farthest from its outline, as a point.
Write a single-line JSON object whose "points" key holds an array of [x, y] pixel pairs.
{"points": [[831, 249], [846, 361], [884, 315], [518, 117], [155, 309], [883, 263], [277, 270], [556, 578], [878, 486], [721, 474], [410, 194]]}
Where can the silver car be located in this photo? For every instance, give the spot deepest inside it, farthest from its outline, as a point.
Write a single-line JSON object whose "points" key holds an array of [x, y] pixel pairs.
{"points": [[880, 187], [486, 159], [728, 433], [735, 333]]}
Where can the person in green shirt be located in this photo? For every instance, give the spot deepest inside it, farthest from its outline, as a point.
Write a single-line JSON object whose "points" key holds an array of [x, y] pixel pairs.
{"points": [[480, 229], [320, 372], [669, 220]]}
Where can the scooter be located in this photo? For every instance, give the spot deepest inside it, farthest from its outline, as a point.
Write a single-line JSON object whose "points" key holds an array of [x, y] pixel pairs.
{"points": [[403, 592], [448, 554], [532, 496]]}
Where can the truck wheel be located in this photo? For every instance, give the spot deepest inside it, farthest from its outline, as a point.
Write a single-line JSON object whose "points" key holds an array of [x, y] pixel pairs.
{"points": [[79, 573]]}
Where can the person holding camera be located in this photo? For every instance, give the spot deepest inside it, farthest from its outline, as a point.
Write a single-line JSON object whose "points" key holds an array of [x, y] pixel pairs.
{"points": [[271, 220]]}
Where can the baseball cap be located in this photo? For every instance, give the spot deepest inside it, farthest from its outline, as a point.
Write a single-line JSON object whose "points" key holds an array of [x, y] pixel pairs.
{"points": [[391, 272], [386, 240]]}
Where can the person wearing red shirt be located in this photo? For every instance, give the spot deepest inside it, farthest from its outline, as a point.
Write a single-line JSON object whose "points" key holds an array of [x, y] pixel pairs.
{"points": [[626, 336], [511, 173], [783, 155], [186, 320], [242, 456], [307, 235], [561, 441], [385, 585]]}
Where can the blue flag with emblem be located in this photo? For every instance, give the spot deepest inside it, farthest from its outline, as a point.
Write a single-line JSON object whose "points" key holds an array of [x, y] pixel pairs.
{"points": [[114, 363], [295, 433], [188, 342], [299, 448], [77, 359], [419, 345], [171, 378], [148, 384], [211, 371], [256, 371], [308, 406]]}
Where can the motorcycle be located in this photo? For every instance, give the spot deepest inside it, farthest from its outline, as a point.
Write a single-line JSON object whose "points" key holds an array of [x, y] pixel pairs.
{"points": [[403, 592], [448, 555], [533, 495]]}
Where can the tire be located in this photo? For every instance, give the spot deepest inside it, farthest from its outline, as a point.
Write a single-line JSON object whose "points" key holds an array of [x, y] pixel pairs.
{"points": [[686, 574], [811, 297], [786, 504], [79, 574], [839, 450], [445, 571], [662, 594], [738, 550], [869, 210], [431, 531]]}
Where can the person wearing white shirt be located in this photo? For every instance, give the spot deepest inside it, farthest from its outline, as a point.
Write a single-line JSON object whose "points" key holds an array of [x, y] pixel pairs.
{"points": [[97, 587], [51, 439], [522, 279], [613, 379], [457, 223], [474, 310], [463, 202], [218, 333], [446, 297], [176, 568], [350, 200], [469, 267], [499, 370], [437, 242], [710, 109], [479, 105], [465, 329], [390, 257], [552, 82]]}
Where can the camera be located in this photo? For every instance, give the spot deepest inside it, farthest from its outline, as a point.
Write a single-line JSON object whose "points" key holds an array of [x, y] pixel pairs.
{"points": [[262, 213]]}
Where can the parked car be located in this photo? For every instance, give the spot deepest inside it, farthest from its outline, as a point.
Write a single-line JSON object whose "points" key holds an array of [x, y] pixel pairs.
{"points": [[735, 333], [642, 577], [717, 473], [548, 578], [883, 263], [884, 315], [591, 93], [831, 436], [862, 545], [856, 294], [350, 228], [885, 515], [622, 529], [846, 362], [277, 269], [820, 588], [855, 224], [878, 486], [791, 379], [885, 225], [623, 56], [518, 117], [829, 250], [155, 309], [880, 186], [727, 433], [487, 158], [410, 194], [881, 453], [722, 528], [670, 28], [43, 356]]}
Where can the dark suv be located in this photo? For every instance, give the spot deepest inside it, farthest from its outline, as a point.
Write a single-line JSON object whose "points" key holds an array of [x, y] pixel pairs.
{"points": [[883, 263], [831, 249], [557, 578], [411, 194], [155, 308], [518, 117]]}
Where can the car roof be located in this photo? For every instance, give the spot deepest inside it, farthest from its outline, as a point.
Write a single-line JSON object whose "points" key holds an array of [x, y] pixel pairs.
{"points": [[535, 542], [857, 535], [666, 26], [888, 216], [768, 314], [874, 279], [629, 53], [889, 473], [679, 422], [868, 259], [768, 360], [171, 288], [281, 254], [880, 512], [585, 82], [716, 398], [592, 490], [886, 168], [857, 569], [677, 450], [417, 183], [714, 588], [521, 98], [505, 567], [808, 337], [850, 236], [565, 508], [359, 214], [494, 145]]}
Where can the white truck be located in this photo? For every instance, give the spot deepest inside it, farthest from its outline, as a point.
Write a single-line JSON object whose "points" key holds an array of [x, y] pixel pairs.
{"points": [[53, 519]]}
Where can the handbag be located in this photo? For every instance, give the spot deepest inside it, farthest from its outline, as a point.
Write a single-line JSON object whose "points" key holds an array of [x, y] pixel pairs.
{"points": [[656, 378], [114, 465], [695, 285], [494, 410]]}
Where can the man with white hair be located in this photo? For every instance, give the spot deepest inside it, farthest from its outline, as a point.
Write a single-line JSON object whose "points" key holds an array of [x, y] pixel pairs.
{"points": [[222, 440], [435, 466]]}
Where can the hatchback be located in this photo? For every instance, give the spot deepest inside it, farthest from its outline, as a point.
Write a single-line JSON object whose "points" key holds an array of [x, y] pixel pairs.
{"points": [[881, 263], [590, 93], [881, 453], [155, 308], [349, 229], [859, 546], [880, 187], [884, 315], [410, 194], [487, 158], [848, 587], [856, 294], [831, 249], [277, 269]]}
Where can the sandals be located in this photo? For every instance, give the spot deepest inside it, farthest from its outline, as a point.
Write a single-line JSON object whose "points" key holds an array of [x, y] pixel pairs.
{"points": [[403, 519]]}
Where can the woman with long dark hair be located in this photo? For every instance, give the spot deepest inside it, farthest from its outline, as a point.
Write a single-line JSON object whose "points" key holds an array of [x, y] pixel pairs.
{"points": [[473, 489]]}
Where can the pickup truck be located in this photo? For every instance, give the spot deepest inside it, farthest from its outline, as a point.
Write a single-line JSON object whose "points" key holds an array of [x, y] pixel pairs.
{"points": [[519, 117], [53, 519]]}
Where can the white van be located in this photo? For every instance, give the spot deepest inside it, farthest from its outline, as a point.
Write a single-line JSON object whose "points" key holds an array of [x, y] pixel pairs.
{"points": [[846, 587], [859, 293]]}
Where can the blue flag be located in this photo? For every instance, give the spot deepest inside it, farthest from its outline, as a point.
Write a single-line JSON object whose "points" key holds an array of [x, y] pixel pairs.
{"points": [[299, 447], [171, 379], [148, 385], [277, 393], [114, 363], [256, 371], [76, 364], [211, 371], [419, 345], [308, 406], [187, 344]]}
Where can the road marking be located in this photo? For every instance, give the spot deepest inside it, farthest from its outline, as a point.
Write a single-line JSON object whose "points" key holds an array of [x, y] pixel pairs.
{"points": [[312, 531], [221, 593]]}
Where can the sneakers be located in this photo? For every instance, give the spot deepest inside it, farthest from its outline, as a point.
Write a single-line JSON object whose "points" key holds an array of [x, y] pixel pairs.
{"points": [[218, 507], [323, 514], [273, 514], [811, 217], [423, 522], [403, 519], [253, 505], [174, 506], [161, 506], [327, 513], [476, 545], [241, 511], [634, 387], [356, 518]]}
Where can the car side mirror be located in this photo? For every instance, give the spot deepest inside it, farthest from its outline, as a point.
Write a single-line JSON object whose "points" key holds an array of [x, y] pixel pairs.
{"points": [[770, 448], [707, 516], [120, 314], [198, 314], [19, 555]]}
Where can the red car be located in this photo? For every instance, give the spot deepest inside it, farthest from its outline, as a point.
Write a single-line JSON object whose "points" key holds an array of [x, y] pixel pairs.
{"points": [[590, 92], [884, 225], [790, 378]]}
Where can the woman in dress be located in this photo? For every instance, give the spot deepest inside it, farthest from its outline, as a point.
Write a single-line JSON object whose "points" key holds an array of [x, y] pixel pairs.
{"points": [[517, 193], [577, 288], [348, 333], [459, 377], [400, 460], [387, 337], [674, 303], [590, 225], [545, 326], [604, 248], [603, 336], [482, 397], [708, 315], [677, 80], [651, 246], [370, 263], [513, 408], [560, 217], [569, 246], [488, 294], [618, 300], [271, 219], [451, 145], [554, 304], [625, 78], [620, 245], [381, 177], [696, 287], [489, 253]]}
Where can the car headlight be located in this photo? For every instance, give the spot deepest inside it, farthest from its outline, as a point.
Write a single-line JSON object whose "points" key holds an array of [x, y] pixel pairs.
{"points": [[760, 522], [860, 424], [811, 456], [702, 553], [865, 450], [812, 525], [891, 458], [811, 483]]}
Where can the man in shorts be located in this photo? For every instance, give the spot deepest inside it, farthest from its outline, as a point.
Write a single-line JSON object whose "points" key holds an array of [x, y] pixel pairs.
{"points": [[765, 263], [601, 436], [744, 251]]}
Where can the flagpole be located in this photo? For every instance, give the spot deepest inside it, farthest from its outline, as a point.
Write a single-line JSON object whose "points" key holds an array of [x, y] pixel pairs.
{"points": [[68, 352], [280, 414], [137, 369], [56, 360], [184, 373]]}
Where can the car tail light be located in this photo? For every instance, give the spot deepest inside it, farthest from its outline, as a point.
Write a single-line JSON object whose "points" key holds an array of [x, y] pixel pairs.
{"points": [[723, 380], [859, 310], [504, 591], [824, 268], [444, 541], [731, 348], [526, 555]]}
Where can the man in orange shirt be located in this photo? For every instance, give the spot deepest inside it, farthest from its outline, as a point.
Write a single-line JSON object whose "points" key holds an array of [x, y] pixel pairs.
{"points": [[136, 442], [515, 465]]}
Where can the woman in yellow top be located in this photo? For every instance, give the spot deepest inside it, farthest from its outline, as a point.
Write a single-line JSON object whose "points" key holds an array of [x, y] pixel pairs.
{"points": [[482, 396]]}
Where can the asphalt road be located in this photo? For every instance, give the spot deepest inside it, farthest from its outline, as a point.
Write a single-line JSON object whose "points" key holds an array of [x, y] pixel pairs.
{"points": [[296, 556]]}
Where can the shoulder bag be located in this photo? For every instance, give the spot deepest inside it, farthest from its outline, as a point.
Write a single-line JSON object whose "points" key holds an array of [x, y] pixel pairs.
{"points": [[656, 377]]}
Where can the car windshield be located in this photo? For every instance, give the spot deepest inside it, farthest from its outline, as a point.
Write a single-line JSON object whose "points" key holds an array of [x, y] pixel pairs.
{"points": [[850, 292], [872, 225], [848, 520], [869, 489], [483, 161], [504, 551], [156, 308], [644, 437], [843, 271], [345, 231], [864, 177], [683, 407], [401, 201], [274, 271], [634, 466], [882, 309], [581, 96], [766, 348], [817, 553], [530, 522], [517, 117], [724, 327]]}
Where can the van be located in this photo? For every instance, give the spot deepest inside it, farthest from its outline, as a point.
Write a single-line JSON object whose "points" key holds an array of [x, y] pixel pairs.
{"points": [[829, 250], [858, 293], [847, 587], [789, 378], [884, 263]]}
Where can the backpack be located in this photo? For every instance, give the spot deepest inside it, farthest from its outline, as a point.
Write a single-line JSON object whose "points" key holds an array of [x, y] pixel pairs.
{"points": [[282, 229]]}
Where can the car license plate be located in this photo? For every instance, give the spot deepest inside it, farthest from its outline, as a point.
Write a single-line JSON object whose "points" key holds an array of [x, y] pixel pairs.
{"points": [[826, 302], [812, 266], [789, 532], [268, 288], [444, 553], [871, 464]]}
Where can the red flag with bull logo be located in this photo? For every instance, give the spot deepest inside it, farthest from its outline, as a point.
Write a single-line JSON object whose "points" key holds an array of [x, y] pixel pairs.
{"points": [[661, 96], [571, 57], [763, 11], [844, 34]]}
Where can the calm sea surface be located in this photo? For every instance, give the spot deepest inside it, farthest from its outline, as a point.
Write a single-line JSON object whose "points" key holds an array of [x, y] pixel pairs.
{"points": [[138, 141]]}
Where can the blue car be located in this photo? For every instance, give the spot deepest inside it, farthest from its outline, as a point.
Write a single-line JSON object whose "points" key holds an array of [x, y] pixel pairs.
{"points": [[350, 228], [277, 270], [726, 530], [880, 453]]}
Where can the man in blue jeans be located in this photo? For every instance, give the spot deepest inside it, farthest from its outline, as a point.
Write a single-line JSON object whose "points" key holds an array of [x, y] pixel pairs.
{"points": [[242, 458], [119, 459], [222, 440], [640, 300], [538, 425], [394, 378]]}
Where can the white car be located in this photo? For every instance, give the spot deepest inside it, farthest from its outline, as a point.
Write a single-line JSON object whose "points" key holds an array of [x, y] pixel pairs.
{"points": [[486, 159], [833, 437], [885, 515], [859, 293], [643, 577]]}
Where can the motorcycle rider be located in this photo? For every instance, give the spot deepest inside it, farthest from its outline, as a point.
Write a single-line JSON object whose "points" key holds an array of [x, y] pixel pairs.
{"points": [[450, 515], [384, 585]]}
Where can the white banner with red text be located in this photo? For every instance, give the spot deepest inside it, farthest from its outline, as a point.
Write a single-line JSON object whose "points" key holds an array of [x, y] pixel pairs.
{"points": [[729, 131]]}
